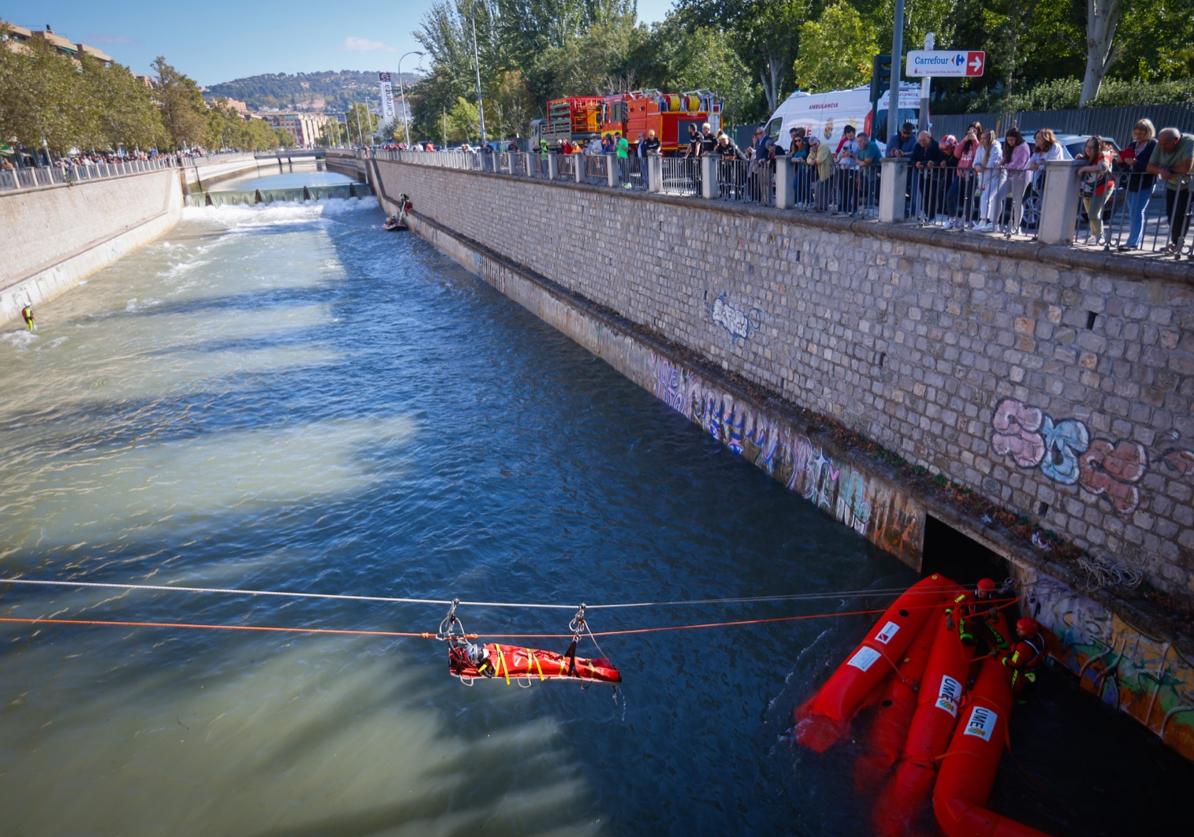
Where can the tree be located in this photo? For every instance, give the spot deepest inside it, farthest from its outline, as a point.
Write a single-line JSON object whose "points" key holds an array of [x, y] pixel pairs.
{"points": [[835, 50], [463, 121], [1102, 18], [362, 123], [37, 99], [765, 34], [181, 105], [125, 114]]}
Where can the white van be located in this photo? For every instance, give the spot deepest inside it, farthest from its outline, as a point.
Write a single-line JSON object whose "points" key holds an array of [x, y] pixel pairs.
{"points": [[824, 115]]}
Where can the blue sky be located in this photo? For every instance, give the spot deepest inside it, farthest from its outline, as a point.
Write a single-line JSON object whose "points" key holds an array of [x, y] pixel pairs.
{"points": [[219, 40]]}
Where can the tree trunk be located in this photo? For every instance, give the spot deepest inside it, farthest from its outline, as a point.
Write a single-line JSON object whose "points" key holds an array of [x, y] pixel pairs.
{"points": [[1102, 18], [772, 78]]}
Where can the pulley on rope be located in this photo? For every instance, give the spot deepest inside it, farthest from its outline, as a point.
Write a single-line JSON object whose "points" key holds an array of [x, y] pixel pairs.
{"points": [[470, 660]]}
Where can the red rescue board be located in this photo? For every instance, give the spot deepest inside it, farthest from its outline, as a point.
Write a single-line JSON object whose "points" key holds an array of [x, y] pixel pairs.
{"points": [[513, 662]]}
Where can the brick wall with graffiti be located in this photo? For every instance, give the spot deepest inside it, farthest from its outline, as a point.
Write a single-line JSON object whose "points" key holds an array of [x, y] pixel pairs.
{"points": [[1142, 674], [815, 469], [1058, 387], [1123, 664]]}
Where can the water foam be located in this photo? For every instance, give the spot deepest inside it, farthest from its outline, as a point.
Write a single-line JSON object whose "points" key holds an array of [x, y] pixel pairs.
{"points": [[235, 216]]}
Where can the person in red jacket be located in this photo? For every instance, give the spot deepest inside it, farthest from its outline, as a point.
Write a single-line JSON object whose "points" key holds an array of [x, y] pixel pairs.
{"points": [[973, 614], [1027, 654]]}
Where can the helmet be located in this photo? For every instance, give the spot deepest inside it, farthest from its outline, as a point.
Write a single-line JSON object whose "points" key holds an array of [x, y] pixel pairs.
{"points": [[986, 585], [1026, 625]]}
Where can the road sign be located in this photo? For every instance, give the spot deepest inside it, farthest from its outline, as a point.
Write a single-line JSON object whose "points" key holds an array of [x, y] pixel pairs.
{"points": [[946, 62]]}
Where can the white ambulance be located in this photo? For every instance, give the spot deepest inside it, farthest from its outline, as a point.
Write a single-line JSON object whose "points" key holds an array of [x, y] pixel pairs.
{"points": [[824, 115]]}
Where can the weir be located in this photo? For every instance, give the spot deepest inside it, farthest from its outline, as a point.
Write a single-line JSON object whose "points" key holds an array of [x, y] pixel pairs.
{"points": [[1013, 393], [287, 195]]}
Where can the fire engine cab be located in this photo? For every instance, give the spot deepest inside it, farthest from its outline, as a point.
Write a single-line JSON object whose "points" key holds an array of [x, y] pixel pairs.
{"points": [[579, 119]]}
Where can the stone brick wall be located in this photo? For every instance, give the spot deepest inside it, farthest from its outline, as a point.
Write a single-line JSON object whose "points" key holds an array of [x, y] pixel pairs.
{"points": [[1058, 386]]}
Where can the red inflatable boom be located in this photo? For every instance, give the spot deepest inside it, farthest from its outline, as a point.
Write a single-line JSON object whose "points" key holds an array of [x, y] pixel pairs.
{"points": [[938, 703], [969, 765], [823, 720]]}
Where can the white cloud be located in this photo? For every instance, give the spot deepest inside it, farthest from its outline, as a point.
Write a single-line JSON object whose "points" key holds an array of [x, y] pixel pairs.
{"points": [[354, 44]]}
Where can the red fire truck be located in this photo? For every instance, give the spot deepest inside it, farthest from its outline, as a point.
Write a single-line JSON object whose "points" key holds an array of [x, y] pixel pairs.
{"points": [[581, 118]]}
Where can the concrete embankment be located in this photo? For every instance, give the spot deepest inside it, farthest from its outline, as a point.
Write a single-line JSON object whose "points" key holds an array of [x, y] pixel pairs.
{"points": [[58, 235], [907, 382]]}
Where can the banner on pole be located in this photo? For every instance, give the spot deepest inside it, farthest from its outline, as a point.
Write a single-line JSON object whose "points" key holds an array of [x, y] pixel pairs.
{"points": [[387, 97]]}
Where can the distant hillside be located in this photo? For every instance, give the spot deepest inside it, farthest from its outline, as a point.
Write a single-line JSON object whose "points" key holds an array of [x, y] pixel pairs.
{"points": [[330, 90]]}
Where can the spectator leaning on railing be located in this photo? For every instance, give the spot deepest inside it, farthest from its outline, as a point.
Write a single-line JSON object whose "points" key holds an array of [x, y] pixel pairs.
{"points": [[1134, 158], [1098, 184], [1016, 158], [1171, 161], [988, 162]]}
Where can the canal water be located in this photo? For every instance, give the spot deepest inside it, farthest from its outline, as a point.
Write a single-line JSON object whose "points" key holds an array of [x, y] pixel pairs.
{"points": [[288, 398]]}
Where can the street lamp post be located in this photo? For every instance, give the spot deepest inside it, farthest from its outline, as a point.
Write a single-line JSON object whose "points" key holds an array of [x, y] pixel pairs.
{"points": [[897, 59], [402, 95], [477, 62]]}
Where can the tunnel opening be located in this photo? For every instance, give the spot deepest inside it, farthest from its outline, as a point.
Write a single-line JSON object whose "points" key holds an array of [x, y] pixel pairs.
{"points": [[953, 554]]}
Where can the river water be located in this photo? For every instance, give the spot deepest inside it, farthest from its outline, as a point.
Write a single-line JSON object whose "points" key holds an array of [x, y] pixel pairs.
{"points": [[288, 398]]}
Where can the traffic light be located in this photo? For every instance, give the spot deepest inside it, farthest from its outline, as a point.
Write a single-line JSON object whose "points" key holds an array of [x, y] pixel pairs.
{"points": [[880, 78]]}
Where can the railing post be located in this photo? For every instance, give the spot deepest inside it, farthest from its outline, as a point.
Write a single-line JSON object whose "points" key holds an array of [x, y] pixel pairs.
{"points": [[579, 169], [654, 173], [891, 190], [612, 171], [1059, 203], [552, 165], [709, 185], [783, 183]]}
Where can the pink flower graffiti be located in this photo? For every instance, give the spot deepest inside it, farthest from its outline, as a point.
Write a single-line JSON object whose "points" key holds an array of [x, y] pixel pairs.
{"points": [[1017, 432], [1111, 471]]}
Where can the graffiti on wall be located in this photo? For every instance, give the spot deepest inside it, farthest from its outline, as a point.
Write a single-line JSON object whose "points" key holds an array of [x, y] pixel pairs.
{"points": [[872, 508], [1063, 450], [1126, 667], [738, 322]]}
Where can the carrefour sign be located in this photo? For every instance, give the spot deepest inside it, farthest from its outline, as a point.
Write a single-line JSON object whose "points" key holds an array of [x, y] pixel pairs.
{"points": [[946, 62]]}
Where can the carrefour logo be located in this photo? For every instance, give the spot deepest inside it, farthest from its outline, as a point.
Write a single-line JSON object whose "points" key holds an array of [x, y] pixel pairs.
{"points": [[959, 60]]}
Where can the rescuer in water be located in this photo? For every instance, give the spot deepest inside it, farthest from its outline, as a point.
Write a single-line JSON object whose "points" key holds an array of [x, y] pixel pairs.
{"points": [[1026, 654], [27, 316], [975, 613]]}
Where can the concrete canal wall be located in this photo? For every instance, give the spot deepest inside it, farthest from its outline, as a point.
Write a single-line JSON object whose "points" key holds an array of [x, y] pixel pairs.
{"points": [[890, 376], [56, 236]]}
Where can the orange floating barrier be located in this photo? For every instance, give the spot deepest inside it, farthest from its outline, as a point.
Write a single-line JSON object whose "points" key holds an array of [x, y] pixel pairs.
{"points": [[969, 766], [824, 719]]}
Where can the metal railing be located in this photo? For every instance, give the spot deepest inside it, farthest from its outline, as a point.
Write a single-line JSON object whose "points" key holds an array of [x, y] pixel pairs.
{"points": [[595, 169], [681, 176], [1043, 204], [1137, 213], [749, 181], [45, 176]]}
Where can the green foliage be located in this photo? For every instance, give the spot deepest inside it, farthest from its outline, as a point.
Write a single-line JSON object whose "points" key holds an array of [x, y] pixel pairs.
{"points": [[835, 50], [181, 105], [362, 123], [331, 90], [1061, 94], [36, 87], [463, 121]]}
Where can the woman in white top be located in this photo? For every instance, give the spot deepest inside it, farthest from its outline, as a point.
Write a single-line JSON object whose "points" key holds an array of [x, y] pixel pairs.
{"points": [[1045, 147], [988, 162]]}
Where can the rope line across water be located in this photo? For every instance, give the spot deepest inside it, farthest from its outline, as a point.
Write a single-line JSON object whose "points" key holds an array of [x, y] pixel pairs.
{"points": [[170, 588], [426, 635]]}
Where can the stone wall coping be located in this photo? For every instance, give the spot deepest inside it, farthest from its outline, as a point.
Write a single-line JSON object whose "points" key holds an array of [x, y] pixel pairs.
{"points": [[1128, 267], [1144, 615]]}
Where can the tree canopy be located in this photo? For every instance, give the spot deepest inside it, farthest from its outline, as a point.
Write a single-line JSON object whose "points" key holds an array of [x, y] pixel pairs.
{"points": [[754, 52]]}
